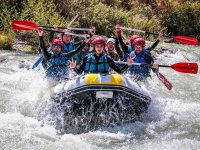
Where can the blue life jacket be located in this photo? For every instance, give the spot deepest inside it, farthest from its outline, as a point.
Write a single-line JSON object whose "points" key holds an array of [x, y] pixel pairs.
{"points": [[79, 57], [70, 48], [57, 65], [126, 55], [140, 58], [93, 66], [130, 49]]}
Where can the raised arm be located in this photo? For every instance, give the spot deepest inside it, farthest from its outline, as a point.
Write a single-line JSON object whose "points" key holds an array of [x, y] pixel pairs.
{"points": [[153, 46], [117, 48], [46, 54]]}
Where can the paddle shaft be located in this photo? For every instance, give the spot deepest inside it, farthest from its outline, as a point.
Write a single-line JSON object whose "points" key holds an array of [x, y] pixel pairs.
{"points": [[137, 64], [140, 64], [75, 17], [181, 39], [42, 57], [142, 31], [79, 35], [147, 65]]}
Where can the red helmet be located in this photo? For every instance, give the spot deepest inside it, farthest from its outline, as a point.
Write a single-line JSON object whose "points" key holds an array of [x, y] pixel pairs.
{"points": [[127, 42], [99, 40], [67, 31], [59, 36], [57, 42], [139, 41], [133, 37]]}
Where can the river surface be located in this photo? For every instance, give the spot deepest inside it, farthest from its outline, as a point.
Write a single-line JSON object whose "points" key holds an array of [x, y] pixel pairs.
{"points": [[172, 120]]}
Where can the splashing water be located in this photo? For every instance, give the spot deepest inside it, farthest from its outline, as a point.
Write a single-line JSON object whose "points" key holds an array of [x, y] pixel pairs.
{"points": [[172, 120]]}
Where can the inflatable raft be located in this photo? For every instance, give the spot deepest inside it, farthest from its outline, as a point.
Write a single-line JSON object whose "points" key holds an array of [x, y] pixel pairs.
{"points": [[99, 100]]}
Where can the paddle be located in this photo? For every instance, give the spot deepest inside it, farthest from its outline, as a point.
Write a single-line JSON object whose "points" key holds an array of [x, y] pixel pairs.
{"points": [[79, 29], [38, 61], [28, 25], [41, 58], [164, 81], [75, 17], [184, 67], [181, 39]]}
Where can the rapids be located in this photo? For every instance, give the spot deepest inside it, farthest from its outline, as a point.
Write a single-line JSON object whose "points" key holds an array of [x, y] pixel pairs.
{"points": [[172, 120]]}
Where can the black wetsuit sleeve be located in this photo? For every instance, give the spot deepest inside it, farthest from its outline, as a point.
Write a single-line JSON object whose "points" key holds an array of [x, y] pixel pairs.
{"points": [[149, 59], [77, 50], [51, 36], [81, 68], [153, 45], [117, 48], [115, 67], [122, 44], [46, 54], [78, 44]]}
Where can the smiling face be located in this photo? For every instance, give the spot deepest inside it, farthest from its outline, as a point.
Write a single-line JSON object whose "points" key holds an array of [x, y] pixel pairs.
{"points": [[110, 45], [138, 48], [56, 48], [99, 48]]}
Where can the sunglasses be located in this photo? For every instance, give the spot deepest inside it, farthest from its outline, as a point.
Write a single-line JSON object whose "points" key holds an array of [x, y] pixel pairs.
{"points": [[56, 46]]}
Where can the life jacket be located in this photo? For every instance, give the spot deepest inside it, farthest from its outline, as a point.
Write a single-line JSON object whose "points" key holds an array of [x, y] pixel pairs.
{"points": [[140, 58], [71, 47], [57, 65], [130, 49], [93, 66], [66, 49], [80, 56], [126, 55]]}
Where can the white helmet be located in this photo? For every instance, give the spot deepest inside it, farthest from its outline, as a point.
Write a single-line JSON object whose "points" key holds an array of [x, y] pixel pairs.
{"points": [[110, 40]]}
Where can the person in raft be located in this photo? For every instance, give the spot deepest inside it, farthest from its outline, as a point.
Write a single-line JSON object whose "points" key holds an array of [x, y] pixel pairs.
{"points": [[99, 61], [56, 59]]}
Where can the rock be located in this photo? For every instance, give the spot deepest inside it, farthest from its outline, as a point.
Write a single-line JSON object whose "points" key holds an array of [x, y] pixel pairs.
{"points": [[2, 58]]}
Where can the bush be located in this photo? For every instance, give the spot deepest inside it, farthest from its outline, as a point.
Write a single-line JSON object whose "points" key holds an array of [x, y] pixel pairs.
{"points": [[184, 20], [39, 11], [106, 13], [6, 41]]}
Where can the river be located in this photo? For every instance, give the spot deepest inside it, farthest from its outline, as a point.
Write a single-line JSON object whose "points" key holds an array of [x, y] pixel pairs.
{"points": [[172, 120]]}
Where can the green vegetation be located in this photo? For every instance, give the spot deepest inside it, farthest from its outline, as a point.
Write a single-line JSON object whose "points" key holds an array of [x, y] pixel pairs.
{"points": [[39, 11], [6, 41], [179, 17], [184, 20]]}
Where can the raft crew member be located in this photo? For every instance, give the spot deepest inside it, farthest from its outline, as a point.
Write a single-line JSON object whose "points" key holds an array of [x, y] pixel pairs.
{"points": [[128, 49], [110, 45], [56, 60], [141, 55], [85, 51], [98, 62]]}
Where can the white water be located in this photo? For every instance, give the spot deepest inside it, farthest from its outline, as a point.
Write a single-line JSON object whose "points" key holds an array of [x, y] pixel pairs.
{"points": [[172, 122]]}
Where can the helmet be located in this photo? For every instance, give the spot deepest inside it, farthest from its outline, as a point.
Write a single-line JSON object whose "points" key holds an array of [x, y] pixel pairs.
{"points": [[110, 40], [57, 42], [133, 37], [67, 31], [59, 36], [99, 40], [127, 42], [139, 41]]}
